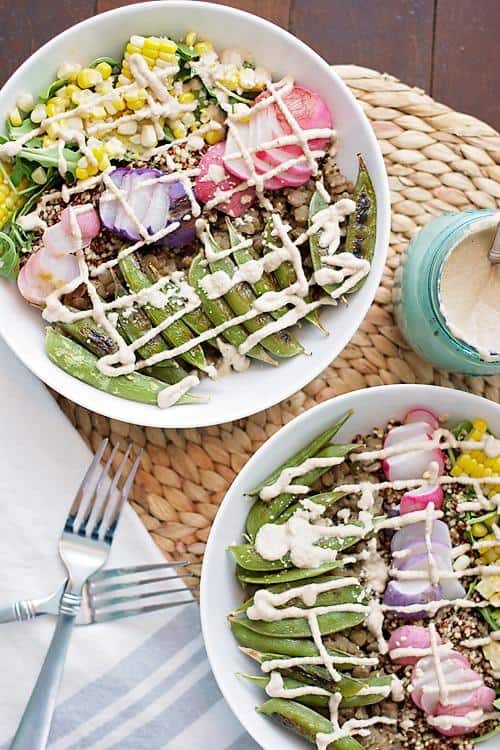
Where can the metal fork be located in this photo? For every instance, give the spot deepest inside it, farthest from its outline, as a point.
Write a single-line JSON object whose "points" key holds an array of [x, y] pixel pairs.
{"points": [[100, 594], [84, 548]]}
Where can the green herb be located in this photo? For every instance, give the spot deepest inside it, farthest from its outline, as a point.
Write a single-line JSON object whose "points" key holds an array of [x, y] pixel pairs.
{"points": [[49, 91], [187, 53], [49, 157], [14, 132], [115, 64], [169, 136], [9, 257]]}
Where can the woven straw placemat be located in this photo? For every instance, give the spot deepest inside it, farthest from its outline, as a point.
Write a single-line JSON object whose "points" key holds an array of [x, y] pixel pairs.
{"points": [[437, 160]]}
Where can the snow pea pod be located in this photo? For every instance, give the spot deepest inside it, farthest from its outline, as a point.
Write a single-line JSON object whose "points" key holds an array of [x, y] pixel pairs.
{"points": [[263, 512], [270, 578], [323, 498], [298, 627], [277, 588], [175, 334], [362, 224], [309, 450], [285, 276], [219, 312], [349, 687], [274, 647], [305, 722], [263, 285], [240, 299], [82, 364]]}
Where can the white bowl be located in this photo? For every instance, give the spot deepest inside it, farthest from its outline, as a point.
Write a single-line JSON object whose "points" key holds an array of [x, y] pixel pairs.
{"points": [[239, 394], [221, 593]]}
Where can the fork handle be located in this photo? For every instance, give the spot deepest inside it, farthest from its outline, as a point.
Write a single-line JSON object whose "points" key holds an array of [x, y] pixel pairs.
{"points": [[18, 611], [34, 727]]}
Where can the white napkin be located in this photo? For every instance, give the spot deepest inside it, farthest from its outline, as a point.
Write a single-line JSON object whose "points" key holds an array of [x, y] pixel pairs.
{"points": [[139, 683]]}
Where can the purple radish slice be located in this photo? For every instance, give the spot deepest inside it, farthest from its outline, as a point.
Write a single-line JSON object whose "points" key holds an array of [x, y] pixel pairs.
{"points": [[139, 197], [415, 532], [421, 414], [180, 211], [452, 589], [440, 551], [421, 497], [404, 593]]}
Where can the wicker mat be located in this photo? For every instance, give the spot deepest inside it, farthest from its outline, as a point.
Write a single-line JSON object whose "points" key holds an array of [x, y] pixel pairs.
{"points": [[438, 160]]}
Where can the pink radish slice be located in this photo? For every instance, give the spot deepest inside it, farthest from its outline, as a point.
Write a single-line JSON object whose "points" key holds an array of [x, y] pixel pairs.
{"points": [[420, 498], [205, 187], [412, 465], [307, 108], [88, 222], [58, 240], [277, 155], [417, 432], [415, 533], [32, 287], [458, 729], [406, 637], [238, 167], [421, 414]]}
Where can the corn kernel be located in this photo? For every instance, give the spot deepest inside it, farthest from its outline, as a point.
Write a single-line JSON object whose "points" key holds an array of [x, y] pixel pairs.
{"points": [[39, 175], [203, 47], [97, 113], [87, 78], [135, 104], [186, 97], [168, 45], [15, 118], [188, 119], [47, 141], [148, 136], [81, 173], [25, 102], [55, 106], [104, 69], [38, 113], [68, 71], [54, 130], [179, 130], [137, 41], [150, 60], [152, 43], [481, 425], [167, 57], [114, 147], [214, 136], [127, 128], [490, 556], [479, 530], [190, 38]]}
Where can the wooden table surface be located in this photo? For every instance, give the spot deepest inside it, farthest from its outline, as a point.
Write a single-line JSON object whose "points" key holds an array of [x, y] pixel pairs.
{"points": [[447, 47]]}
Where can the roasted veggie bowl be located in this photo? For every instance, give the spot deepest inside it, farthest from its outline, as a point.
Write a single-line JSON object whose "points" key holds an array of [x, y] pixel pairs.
{"points": [[369, 576], [178, 213]]}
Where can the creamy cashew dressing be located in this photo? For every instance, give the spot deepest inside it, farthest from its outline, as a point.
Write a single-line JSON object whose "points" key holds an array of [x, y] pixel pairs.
{"points": [[343, 269], [299, 536], [469, 292]]}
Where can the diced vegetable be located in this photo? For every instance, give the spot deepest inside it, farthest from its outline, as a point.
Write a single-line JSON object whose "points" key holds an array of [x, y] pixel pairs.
{"points": [[214, 177]]}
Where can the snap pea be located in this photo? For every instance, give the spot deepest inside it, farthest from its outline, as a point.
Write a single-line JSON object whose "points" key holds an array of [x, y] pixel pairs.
{"points": [[274, 647], [248, 558], [263, 285], [285, 276], [361, 226], [263, 512], [298, 627], [81, 364], [309, 450], [323, 498], [278, 588], [90, 335], [175, 334], [285, 575], [349, 687], [195, 319], [305, 722], [240, 299], [219, 312]]}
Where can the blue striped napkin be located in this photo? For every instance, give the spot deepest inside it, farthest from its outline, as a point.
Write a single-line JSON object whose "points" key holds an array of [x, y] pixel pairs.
{"points": [[137, 684]]}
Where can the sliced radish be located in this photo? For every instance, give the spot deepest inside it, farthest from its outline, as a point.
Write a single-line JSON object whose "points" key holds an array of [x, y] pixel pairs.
{"points": [[405, 593], [207, 186], [409, 637], [452, 588], [417, 558], [417, 432], [421, 414], [87, 220], [412, 465], [415, 533], [421, 497]]}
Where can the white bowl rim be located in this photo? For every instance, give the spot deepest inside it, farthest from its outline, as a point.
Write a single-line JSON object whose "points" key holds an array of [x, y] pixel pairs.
{"points": [[146, 415], [336, 403]]}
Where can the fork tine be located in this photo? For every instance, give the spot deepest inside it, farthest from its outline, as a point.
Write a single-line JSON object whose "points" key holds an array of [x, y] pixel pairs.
{"points": [[112, 600], [98, 588], [97, 492], [112, 572], [110, 494], [86, 487], [113, 521], [119, 613]]}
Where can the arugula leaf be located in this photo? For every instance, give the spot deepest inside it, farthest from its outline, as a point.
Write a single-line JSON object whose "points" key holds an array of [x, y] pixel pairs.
{"points": [[49, 91], [49, 157], [15, 132], [187, 53], [169, 136], [9, 257], [115, 64]]}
